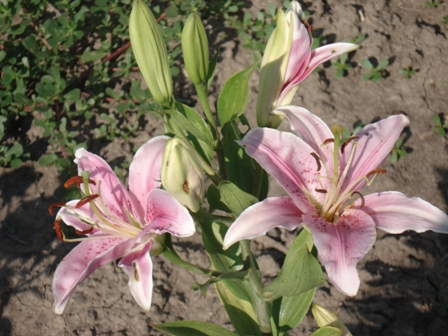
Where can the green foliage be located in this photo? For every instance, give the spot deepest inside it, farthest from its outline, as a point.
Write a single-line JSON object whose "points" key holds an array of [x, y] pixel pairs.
{"points": [[398, 151], [358, 39], [376, 73], [444, 19], [341, 66], [441, 124], [192, 328], [432, 4], [408, 72]]}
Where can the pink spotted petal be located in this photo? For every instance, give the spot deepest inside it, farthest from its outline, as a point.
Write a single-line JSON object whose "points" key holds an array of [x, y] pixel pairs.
{"points": [[394, 212], [114, 195], [288, 159], [326, 53], [144, 171], [310, 128], [374, 144], [261, 217], [138, 266], [341, 246], [82, 261], [77, 218], [163, 214]]}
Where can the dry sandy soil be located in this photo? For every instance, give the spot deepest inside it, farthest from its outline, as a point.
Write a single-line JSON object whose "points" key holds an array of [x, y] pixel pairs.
{"points": [[404, 278]]}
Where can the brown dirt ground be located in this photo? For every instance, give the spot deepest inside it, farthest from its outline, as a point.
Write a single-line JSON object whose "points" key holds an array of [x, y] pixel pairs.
{"points": [[404, 278]]}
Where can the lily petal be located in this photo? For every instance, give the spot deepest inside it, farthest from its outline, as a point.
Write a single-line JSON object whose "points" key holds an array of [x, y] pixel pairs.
{"points": [[326, 53], [73, 217], [394, 212], [138, 266], [114, 194], [82, 261], [261, 217], [144, 171], [288, 159], [163, 214], [374, 144], [341, 246], [309, 127]]}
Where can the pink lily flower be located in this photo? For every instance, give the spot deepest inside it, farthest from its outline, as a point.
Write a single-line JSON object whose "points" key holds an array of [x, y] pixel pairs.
{"points": [[324, 179], [288, 60], [117, 223]]}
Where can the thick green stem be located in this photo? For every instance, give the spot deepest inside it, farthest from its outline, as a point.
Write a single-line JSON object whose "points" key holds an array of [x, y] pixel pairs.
{"points": [[260, 306]]}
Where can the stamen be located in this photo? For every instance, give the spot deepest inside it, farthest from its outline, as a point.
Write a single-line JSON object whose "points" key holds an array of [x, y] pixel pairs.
{"points": [[314, 155], [84, 232], [376, 171], [78, 180], [85, 200], [347, 142], [322, 191], [327, 141], [55, 205], [57, 229], [360, 196]]}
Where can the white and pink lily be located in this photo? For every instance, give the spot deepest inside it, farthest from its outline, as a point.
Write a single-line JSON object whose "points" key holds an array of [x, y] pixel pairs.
{"points": [[287, 61], [117, 223], [324, 179]]}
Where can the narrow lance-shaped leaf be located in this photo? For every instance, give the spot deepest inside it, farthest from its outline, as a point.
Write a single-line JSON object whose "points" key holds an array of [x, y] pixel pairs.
{"points": [[192, 328]]}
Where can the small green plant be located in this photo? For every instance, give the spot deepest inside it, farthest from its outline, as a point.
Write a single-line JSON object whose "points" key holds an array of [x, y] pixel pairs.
{"points": [[398, 151], [441, 124], [358, 39], [408, 72], [341, 66], [376, 73], [445, 19], [432, 4]]}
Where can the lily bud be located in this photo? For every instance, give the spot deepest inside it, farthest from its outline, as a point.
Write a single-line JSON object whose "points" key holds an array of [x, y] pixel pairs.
{"points": [[287, 61], [182, 174], [195, 49], [325, 318], [150, 52]]}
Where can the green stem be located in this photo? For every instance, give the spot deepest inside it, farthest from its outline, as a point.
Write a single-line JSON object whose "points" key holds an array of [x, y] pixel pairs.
{"points": [[260, 306], [202, 94], [258, 178]]}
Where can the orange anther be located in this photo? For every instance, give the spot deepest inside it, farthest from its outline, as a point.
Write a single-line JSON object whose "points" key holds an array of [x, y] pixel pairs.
{"points": [[55, 205], [85, 200], [57, 229]]}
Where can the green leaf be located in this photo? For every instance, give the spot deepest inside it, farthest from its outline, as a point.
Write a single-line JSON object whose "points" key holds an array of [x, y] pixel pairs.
{"points": [[327, 331], [241, 168], [211, 68], [382, 65], [15, 150], [192, 328], [234, 96], [228, 196], [48, 159], [92, 55], [367, 64], [72, 95], [235, 295], [300, 272], [289, 311]]}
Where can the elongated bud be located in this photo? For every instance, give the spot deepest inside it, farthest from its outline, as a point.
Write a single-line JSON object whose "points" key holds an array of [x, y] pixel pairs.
{"points": [[182, 174], [325, 318], [273, 71], [150, 52], [195, 49]]}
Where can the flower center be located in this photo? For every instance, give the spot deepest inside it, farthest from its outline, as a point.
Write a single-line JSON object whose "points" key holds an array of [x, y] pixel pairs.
{"points": [[338, 192]]}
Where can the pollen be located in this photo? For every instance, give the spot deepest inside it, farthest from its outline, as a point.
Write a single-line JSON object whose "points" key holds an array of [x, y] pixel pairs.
{"points": [[85, 200], [185, 187], [76, 180]]}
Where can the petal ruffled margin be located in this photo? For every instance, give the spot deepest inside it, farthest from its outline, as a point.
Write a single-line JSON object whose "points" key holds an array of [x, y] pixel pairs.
{"points": [[394, 212], [341, 246], [261, 217], [82, 261]]}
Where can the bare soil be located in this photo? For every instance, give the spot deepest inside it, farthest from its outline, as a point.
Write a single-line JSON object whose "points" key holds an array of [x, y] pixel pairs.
{"points": [[404, 279]]}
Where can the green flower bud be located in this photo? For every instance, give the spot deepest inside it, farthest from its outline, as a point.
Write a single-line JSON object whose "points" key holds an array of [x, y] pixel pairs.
{"points": [[325, 318], [195, 49], [150, 52], [182, 174]]}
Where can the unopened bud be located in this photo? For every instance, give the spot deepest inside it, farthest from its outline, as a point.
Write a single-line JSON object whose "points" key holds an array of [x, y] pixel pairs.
{"points": [[195, 49], [325, 318], [182, 174], [150, 52]]}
